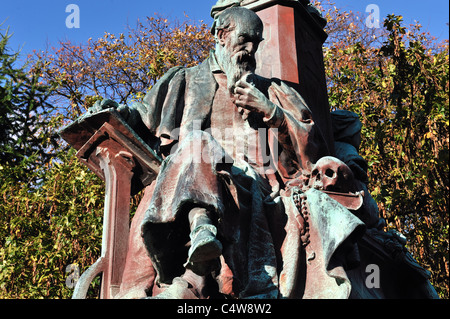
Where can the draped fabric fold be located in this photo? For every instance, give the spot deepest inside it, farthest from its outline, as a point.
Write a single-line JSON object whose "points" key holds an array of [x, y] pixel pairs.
{"points": [[262, 252]]}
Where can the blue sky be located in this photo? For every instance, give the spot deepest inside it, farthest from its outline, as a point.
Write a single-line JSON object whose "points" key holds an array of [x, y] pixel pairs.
{"points": [[36, 23]]}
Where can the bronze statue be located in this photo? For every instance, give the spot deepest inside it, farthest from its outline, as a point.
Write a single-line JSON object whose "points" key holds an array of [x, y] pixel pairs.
{"points": [[249, 201], [226, 197]]}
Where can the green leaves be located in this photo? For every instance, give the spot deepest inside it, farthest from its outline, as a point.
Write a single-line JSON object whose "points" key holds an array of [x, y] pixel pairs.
{"points": [[48, 228], [24, 112]]}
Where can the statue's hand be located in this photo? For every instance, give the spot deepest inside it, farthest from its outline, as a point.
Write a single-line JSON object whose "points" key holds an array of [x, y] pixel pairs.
{"points": [[107, 104], [103, 105], [249, 99]]}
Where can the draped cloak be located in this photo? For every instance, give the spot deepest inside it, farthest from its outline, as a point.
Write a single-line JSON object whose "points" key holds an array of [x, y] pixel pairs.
{"points": [[257, 219]]}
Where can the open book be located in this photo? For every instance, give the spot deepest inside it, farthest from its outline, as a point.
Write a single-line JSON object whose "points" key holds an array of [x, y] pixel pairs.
{"points": [[89, 131]]}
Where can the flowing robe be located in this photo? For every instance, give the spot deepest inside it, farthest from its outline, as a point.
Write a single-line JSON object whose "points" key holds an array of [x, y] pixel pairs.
{"points": [[242, 183]]}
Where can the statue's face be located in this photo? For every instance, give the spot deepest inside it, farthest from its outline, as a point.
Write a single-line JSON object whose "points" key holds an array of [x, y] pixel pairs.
{"points": [[244, 37], [237, 45], [241, 43]]}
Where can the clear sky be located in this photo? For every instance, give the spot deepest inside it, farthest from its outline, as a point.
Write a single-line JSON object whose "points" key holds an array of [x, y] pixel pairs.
{"points": [[38, 22]]}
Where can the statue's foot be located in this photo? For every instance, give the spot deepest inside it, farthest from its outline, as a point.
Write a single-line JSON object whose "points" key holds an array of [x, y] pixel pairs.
{"points": [[204, 245], [179, 289], [203, 256], [204, 268]]}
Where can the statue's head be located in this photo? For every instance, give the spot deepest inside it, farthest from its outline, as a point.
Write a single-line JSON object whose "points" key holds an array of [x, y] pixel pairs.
{"points": [[238, 33]]}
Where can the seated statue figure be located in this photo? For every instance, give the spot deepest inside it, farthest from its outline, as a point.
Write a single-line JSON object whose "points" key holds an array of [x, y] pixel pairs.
{"points": [[240, 206]]}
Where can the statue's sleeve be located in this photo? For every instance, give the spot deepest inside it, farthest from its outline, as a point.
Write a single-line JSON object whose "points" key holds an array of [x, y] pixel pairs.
{"points": [[299, 139], [162, 107]]}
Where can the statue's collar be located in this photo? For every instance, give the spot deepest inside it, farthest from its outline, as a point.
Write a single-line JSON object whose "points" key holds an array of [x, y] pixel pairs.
{"points": [[213, 64]]}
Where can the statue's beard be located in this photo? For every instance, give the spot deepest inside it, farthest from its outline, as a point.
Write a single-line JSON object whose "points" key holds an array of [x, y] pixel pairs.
{"points": [[238, 66]]}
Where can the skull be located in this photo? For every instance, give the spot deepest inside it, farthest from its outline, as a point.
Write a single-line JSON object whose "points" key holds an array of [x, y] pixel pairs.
{"points": [[331, 174]]}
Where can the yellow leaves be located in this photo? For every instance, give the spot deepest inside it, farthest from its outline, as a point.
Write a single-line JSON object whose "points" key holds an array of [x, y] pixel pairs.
{"points": [[376, 191], [116, 65], [429, 135]]}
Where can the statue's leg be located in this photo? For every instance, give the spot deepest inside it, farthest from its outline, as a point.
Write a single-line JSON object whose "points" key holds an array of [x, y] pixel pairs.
{"points": [[202, 260], [205, 248], [186, 203]]}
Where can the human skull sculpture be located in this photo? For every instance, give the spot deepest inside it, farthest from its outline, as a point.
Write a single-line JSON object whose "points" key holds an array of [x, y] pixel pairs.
{"points": [[331, 174]]}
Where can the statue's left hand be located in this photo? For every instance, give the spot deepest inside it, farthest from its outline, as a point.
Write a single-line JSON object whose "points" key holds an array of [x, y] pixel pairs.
{"points": [[107, 104], [249, 99], [103, 105]]}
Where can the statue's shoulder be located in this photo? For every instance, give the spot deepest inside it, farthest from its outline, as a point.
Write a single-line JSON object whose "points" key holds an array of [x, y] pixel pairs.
{"points": [[169, 75], [201, 68], [182, 71], [178, 76]]}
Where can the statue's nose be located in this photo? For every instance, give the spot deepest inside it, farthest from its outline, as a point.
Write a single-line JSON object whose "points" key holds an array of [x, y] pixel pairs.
{"points": [[251, 47]]}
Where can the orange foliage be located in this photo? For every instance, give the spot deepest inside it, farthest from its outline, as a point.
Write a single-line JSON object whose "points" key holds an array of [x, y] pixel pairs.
{"points": [[122, 67]]}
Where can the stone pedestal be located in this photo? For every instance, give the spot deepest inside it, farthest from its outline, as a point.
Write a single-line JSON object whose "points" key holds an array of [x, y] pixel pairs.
{"points": [[111, 149]]}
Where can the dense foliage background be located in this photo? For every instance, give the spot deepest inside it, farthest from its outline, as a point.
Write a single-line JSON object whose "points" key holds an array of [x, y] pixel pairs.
{"points": [[396, 77]]}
